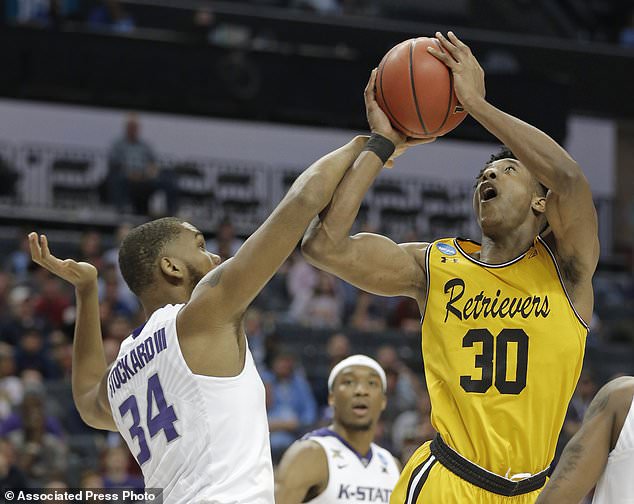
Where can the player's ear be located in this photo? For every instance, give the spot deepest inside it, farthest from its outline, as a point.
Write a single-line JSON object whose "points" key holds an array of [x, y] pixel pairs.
{"points": [[171, 268], [384, 402], [331, 399], [538, 204]]}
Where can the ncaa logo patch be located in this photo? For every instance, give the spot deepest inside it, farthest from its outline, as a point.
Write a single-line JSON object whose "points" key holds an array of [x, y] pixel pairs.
{"points": [[446, 249]]}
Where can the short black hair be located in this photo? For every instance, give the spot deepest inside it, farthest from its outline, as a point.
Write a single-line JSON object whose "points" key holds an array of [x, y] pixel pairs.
{"points": [[141, 248], [505, 153]]}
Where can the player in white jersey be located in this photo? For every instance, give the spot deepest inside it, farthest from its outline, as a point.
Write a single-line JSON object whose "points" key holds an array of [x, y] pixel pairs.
{"points": [[601, 452], [340, 464], [183, 391]]}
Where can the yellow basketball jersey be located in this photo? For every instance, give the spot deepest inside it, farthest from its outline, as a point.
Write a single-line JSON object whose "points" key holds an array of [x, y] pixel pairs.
{"points": [[503, 349]]}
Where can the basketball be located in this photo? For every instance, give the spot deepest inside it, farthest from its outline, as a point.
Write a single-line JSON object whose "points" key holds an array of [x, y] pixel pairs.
{"points": [[416, 92]]}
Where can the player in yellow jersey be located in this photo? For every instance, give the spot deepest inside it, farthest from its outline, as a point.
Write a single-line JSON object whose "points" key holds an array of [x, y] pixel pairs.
{"points": [[504, 321]]}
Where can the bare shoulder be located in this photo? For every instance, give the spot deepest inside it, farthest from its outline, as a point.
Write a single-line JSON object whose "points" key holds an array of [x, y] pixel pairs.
{"points": [[417, 250], [306, 463], [306, 451], [622, 392], [615, 397]]}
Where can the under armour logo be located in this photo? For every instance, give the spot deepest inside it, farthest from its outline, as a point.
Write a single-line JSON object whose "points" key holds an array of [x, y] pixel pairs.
{"points": [[336, 454]]}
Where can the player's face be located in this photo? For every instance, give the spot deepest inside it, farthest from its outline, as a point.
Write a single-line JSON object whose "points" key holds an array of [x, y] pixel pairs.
{"points": [[357, 398], [192, 250], [504, 195]]}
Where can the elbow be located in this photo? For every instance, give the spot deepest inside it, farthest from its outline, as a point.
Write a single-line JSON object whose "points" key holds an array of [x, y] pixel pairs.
{"points": [[309, 195], [312, 246], [570, 178], [316, 246]]}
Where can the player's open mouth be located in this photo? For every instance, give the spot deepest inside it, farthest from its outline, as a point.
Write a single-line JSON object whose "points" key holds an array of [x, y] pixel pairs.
{"points": [[487, 192], [360, 409]]}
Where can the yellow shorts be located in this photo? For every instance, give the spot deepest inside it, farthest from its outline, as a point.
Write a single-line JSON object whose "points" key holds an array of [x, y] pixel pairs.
{"points": [[425, 480]]}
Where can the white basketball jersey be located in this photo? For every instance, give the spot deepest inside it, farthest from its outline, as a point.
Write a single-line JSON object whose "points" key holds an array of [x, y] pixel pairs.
{"points": [[201, 439], [354, 478], [616, 485]]}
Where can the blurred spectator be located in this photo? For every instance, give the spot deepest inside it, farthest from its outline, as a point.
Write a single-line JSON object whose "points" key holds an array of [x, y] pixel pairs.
{"points": [[111, 294], [37, 438], [368, 314], [11, 476], [90, 249], [585, 391], [111, 349], [32, 354], [337, 349], [116, 463], [11, 388], [111, 259], [255, 336], [226, 243], [61, 353], [406, 315], [133, 175], [300, 282], [21, 317], [403, 387], [411, 423], [118, 329], [111, 16], [52, 302], [291, 406], [322, 308], [90, 479], [19, 260]]}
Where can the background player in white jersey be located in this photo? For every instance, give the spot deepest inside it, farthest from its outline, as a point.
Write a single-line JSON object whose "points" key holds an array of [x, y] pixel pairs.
{"points": [[184, 392], [341, 464], [601, 452]]}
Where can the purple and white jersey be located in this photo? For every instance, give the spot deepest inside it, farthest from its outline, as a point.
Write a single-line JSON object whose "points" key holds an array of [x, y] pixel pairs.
{"points": [[201, 439], [352, 477], [616, 485]]}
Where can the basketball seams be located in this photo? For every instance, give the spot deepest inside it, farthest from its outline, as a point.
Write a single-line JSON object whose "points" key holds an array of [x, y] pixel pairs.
{"points": [[389, 112], [406, 81], [412, 45], [449, 102]]}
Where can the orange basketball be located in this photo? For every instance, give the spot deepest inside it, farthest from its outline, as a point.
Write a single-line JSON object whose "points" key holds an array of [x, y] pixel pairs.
{"points": [[416, 92]]}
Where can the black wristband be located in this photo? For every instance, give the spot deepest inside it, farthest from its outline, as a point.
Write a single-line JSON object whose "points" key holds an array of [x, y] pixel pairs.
{"points": [[381, 146]]}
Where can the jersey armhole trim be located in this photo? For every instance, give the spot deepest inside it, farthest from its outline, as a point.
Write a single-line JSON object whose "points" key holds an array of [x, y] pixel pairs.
{"points": [[219, 379], [628, 422], [427, 282], [561, 281]]}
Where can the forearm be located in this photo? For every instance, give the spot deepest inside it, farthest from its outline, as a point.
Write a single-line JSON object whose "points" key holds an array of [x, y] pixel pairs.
{"points": [[544, 157], [89, 361], [334, 224], [316, 185]]}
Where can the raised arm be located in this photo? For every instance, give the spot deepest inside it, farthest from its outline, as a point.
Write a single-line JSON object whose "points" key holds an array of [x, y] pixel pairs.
{"points": [[586, 454], [231, 287], [302, 473], [569, 207], [371, 262], [89, 361]]}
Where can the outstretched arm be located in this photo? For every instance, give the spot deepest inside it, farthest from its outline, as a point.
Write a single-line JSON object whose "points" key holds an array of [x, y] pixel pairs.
{"points": [[371, 262], [570, 210], [586, 454], [89, 361], [231, 287], [303, 472]]}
